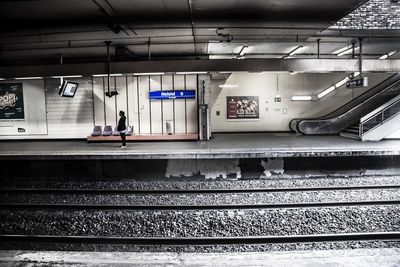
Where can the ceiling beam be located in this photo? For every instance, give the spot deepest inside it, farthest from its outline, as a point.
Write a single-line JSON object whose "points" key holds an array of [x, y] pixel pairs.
{"points": [[229, 65]]}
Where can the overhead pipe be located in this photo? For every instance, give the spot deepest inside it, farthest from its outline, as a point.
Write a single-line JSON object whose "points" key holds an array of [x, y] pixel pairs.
{"points": [[109, 93], [360, 40]]}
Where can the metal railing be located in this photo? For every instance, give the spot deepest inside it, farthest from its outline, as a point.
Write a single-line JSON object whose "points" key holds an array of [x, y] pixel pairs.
{"points": [[379, 116]]}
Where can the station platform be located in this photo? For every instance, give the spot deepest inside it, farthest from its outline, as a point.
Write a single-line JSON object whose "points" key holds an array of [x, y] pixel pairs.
{"points": [[222, 146], [351, 257]]}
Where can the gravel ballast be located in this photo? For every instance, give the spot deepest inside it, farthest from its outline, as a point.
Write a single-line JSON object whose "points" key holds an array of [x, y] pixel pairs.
{"points": [[205, 198], [222, 223]]}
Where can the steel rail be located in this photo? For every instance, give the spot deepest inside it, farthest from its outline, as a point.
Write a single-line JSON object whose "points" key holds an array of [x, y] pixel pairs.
{"points": [[192, 191], [375, 236], [28, 206]]}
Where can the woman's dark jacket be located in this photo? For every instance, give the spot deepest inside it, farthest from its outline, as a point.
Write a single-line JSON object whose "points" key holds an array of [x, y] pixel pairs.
{"points": [[121, 124]]}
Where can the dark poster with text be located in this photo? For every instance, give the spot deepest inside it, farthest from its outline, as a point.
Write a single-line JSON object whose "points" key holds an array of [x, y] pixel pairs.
{"points": [[11, 101], [242, 107]]}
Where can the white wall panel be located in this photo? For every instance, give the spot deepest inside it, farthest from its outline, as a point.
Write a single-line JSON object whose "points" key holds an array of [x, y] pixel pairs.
{"points": [[121, 98], [180, 107], [144, 105], [133, 108], [110, 103], [191, 105], [156, 107], [168, 105], [98, 100]]}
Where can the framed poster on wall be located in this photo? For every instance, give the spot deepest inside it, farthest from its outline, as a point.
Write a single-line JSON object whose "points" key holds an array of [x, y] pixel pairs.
{"points": [[242, 107], [11, 101]]}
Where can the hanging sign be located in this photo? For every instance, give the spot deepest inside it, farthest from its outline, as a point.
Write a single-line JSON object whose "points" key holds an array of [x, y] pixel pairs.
{"points": [[362, 82], [177, 94], [11, 101]]}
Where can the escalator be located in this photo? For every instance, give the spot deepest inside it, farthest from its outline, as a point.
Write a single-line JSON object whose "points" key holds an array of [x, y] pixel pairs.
{"points": [[350, 113]]}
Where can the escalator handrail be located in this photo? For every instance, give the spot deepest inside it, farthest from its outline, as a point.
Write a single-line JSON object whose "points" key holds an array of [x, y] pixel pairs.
{"points": [[327, 116], [373, 96]]}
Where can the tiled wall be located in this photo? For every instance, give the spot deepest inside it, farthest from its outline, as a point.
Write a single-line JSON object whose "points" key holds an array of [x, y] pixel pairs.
{"points": [[375, 14]]}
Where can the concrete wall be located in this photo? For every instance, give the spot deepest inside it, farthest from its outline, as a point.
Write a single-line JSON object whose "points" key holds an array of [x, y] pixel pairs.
{"points": [[275, 116], [147, 117], [34, 122]]}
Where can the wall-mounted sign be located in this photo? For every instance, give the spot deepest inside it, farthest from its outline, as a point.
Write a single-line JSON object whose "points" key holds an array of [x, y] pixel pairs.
{"points": [[177, 94], [242, 107], [362, 82], [11, 101]]}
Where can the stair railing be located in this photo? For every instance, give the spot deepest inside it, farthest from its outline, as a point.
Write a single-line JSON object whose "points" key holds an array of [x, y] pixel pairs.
{"points": [[379, 116]]}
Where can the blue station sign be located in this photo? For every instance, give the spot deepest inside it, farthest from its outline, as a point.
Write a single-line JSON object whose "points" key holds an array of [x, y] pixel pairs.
{"points": [[177, 94], [362, 82]]}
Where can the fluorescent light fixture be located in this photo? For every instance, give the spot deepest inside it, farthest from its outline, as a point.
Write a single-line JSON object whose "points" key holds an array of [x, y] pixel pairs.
{"points": [[28, 78], [2, 79], [150, 73], [342, 82], [296, 50], [242, 50], [388, 54], [301, 98], [68, 76], [228, 86], [338, 51], [105, 75], [193, 72], [327, 91], [347, 51], [385, 56], [231, 72]]}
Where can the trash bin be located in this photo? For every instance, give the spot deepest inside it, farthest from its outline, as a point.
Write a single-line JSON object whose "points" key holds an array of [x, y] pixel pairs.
{"points": [[169, 125]]}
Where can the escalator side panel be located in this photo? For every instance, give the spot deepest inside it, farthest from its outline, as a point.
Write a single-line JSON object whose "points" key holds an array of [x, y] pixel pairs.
{"points": [[350, 113]]}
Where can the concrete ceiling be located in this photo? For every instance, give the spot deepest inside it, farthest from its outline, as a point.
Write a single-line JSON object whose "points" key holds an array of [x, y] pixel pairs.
{"points": [[38, 31]]}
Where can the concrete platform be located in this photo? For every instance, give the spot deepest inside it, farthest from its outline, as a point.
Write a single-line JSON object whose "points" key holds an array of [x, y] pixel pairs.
{"points": [[355, 257], [222, 146]]}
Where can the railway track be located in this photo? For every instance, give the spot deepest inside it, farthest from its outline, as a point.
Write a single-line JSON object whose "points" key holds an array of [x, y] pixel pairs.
{"points": [[27, 206], [375, 236], [191, 191]]}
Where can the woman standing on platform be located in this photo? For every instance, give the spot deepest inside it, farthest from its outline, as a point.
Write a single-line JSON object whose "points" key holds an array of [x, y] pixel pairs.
{"points": [[122, 128]]}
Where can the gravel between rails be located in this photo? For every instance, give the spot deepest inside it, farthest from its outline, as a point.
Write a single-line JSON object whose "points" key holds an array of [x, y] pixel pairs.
{"points": [[195, 184], [203, 223], [205, 198]]}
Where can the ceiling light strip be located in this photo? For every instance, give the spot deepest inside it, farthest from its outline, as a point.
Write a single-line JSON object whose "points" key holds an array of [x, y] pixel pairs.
{"points": [[228, 86], [67, 76], [149, 73], [28, 78], [301, 98], [105, 75], [388, 54], [296, 50]]}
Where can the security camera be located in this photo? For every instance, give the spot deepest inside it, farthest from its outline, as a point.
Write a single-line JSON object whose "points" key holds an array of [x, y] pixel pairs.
{"points": [[111, 94]]}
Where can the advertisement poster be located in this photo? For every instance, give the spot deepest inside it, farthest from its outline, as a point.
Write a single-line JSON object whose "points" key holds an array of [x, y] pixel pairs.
{"points": [[242, 107], [11, 101]]}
